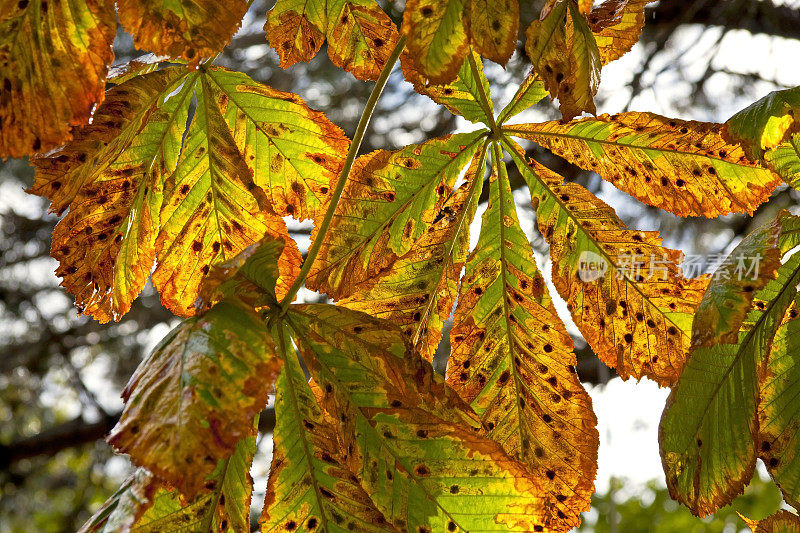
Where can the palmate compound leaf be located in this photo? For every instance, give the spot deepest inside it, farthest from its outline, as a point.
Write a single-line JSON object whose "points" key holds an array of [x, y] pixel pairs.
{"points": [[418, 450], [710, 424], [623, 289], [145, 504], [310, 486], [137, 189], [512, 358], [191, 29], [195, 396], [564, 53], [442, 32], [389, 201], [418, 290], [781, 522], [779, 408], [360, 35], [684, 167], [53, 62], [461, 97]]}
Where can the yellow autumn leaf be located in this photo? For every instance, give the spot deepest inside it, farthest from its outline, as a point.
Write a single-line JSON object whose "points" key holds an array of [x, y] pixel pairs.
{"points": [[512, 360], [190, 29], [616, 25], [55, 57], [684, 167], [623, 289]]}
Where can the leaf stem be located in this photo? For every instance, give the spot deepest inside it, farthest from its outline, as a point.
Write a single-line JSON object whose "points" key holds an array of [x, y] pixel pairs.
{"points": [[484, 99], [355, 145]]}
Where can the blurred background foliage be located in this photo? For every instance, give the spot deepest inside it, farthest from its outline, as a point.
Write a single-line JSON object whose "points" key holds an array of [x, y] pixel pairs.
{"points": [[61, 374]]}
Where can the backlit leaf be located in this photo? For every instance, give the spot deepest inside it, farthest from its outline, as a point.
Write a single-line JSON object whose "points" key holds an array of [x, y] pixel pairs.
{"points": [[779, 409], [710, 424], [616, 25], [390, 200], [112, 177], [530, 92], [360, 35], [784, 159], [461, 97], [144, 504], [512, 359], [195, 396], [54, 58], [564, 53], [729, 296], [493, 27], [437, 38], [781, 522], [418, 290], [684, 167], [310, 486], [261, 275], [138, 183], [418, 449], [623, 289], [191, 29], [767, 122]]}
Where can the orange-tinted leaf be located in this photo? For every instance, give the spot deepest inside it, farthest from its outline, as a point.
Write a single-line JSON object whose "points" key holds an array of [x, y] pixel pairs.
{"points": [[55, 56], [418, 450], [296, 29], [195, 396], [493, 27], [461, 97], [259, 276], [684, 167], [437, 38], [111, 176], [360, 35], [512, 359], [781, 522], [729, 296], [389, 201], [616, 25], [624, 290], [191, 29], [563, 50], [418, 290]]}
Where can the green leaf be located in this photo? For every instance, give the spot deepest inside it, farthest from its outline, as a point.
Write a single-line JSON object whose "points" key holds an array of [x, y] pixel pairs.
{"points": [[684, 167], [767, 122], [779, 408], [512, 359], [143, 504], [310, 486], [461, 97], [710, 423], [529, 93], [437, 37], [55, 60], [417, 448], [195, 396], [389, 201], [418, 290], [635, 308], [784, 159], [730, 294]]}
